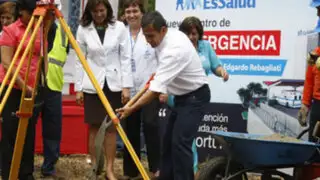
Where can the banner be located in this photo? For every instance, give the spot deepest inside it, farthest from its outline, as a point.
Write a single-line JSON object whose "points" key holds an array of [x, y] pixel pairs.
{"points": [[263, 45]]}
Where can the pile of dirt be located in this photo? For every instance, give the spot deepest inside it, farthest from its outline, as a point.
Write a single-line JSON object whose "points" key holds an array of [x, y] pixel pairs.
{"points": [[279, 137]]}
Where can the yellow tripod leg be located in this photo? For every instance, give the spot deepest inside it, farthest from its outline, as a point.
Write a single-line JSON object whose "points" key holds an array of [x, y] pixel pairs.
{"points": [[102, 97], [26, 105]]}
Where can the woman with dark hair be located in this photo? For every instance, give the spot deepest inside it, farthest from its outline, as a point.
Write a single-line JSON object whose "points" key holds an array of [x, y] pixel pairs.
{"points": [[193, 28], [105, 44], [9, 41]]}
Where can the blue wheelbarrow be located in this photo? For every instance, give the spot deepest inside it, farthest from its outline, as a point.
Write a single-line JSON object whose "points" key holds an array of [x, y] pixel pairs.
{"points": [[251, 153]]}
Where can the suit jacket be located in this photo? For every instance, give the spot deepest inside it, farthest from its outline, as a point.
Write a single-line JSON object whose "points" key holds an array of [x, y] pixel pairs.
{"points": [[109, 61]]}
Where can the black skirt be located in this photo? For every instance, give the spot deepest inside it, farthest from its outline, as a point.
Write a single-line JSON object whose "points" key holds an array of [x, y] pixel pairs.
{"points": [[94, 111]]}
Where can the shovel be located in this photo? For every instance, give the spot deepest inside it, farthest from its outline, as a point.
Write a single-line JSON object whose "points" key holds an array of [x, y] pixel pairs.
{"points": [[98, 145]]}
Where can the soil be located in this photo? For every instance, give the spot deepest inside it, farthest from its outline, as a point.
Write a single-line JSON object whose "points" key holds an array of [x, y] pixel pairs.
{"points": [[76, 167], [279, 137]]}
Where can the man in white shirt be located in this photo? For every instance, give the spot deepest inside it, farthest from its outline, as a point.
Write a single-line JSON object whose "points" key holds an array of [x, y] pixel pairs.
{"points": [[179, 73]]}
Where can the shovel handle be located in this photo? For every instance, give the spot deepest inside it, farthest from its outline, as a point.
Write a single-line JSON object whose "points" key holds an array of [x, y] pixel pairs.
{"points": [[140, 93], [134, 98]]}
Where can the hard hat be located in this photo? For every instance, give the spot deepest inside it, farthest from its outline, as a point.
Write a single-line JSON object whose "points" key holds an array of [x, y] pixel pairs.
{"points": [[315, 3]]}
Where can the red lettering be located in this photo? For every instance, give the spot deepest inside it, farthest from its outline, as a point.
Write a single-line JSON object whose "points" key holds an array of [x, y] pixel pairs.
{"points": [[249, 43]]}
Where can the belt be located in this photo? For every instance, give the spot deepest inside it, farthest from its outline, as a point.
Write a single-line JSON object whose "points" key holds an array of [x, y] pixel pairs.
{"points": [[192, 93]]}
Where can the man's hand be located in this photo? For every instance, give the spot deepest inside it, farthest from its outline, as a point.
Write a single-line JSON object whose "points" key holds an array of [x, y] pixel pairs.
{"points": [[79, 98], [163, 98], [125, 112], [145, 99], [303, 114], [125, 96]]}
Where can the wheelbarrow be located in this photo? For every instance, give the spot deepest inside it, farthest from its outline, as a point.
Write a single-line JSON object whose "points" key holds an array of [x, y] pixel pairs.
{"points": [[252, 153]]}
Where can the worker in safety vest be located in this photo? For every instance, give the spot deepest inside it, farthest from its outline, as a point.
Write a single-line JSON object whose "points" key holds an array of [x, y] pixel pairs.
{"points": [[311, 91], [51, 109]]}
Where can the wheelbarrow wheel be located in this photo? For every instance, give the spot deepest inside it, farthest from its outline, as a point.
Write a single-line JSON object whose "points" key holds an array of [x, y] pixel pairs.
{"points": [[215, 169]]}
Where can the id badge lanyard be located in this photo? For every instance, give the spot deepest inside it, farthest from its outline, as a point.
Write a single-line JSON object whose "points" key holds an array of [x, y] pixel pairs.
{"points": [[133, 44]]}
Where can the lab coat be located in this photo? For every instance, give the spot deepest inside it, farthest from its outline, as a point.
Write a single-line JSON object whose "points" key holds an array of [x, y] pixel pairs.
{"points": [[144, 60]]}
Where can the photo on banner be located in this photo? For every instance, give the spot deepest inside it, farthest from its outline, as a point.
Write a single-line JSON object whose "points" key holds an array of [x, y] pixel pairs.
{"points": [[263, 45]]}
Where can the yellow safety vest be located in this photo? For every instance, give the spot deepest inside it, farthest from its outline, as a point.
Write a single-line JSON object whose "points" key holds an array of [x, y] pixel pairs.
{"points": [[57, 58]]}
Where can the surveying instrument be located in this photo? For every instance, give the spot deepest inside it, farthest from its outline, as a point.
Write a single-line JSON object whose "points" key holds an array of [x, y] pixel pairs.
{"points": [[45, 13]]}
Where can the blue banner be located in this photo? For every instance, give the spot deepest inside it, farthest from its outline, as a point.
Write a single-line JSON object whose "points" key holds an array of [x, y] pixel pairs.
{"points": [[254, 67]]}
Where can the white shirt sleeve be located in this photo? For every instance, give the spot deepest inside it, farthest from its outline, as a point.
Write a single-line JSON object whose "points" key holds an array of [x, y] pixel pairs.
{"points": [[171, 64], [79, 69], [125, 61]]}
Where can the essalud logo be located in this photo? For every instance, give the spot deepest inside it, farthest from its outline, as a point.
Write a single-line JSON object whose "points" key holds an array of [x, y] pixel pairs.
{"points": [[214, 4]]}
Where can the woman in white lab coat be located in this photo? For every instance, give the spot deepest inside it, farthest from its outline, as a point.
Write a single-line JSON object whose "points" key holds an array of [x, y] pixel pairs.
{"points": [[144, 63], [105, 44]]}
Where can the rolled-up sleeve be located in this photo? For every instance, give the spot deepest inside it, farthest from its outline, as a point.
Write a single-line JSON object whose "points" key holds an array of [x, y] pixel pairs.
{"points": [[170, 65], [79, 69], [8, 38], [126, 71]]}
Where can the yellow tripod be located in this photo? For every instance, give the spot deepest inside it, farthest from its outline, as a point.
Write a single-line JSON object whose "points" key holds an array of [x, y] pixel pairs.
{"points": [[41, 20]]}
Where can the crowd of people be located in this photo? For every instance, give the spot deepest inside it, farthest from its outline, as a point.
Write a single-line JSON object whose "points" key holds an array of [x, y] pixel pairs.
{"points": [[122, 57]]}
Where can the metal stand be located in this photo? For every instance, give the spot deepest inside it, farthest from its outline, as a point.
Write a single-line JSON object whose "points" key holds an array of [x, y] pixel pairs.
{"points": [[41, 17]]}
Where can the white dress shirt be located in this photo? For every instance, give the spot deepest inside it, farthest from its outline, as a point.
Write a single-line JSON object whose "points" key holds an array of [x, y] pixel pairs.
{"points": [[109, 61], [180, 70], [143, 61]]}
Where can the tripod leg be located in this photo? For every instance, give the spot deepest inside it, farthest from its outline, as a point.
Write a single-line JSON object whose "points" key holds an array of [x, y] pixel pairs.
{"points": [[102, 97], [99, 140], [26, 105]]}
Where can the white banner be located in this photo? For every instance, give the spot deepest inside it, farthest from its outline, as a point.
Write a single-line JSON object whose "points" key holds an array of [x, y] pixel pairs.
{"points": [[256, 40]]}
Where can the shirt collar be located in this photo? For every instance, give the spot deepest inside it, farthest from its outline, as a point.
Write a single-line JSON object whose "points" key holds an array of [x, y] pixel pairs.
{"points": [[128, 28], [111, 26], [163, 42], [20, 23]]}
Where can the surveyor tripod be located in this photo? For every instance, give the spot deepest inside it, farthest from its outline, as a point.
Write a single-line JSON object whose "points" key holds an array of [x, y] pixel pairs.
{"points": [[40, 22]]}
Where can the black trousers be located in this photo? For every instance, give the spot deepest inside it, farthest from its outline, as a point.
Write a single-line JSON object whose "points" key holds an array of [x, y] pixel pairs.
{"points": [[9, 131], [314, 118], [51, 112], [148, 116], [177, 158]]}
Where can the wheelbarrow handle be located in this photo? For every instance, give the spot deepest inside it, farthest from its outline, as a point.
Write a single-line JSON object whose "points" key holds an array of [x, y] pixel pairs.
{"points": [[303, 133]]}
